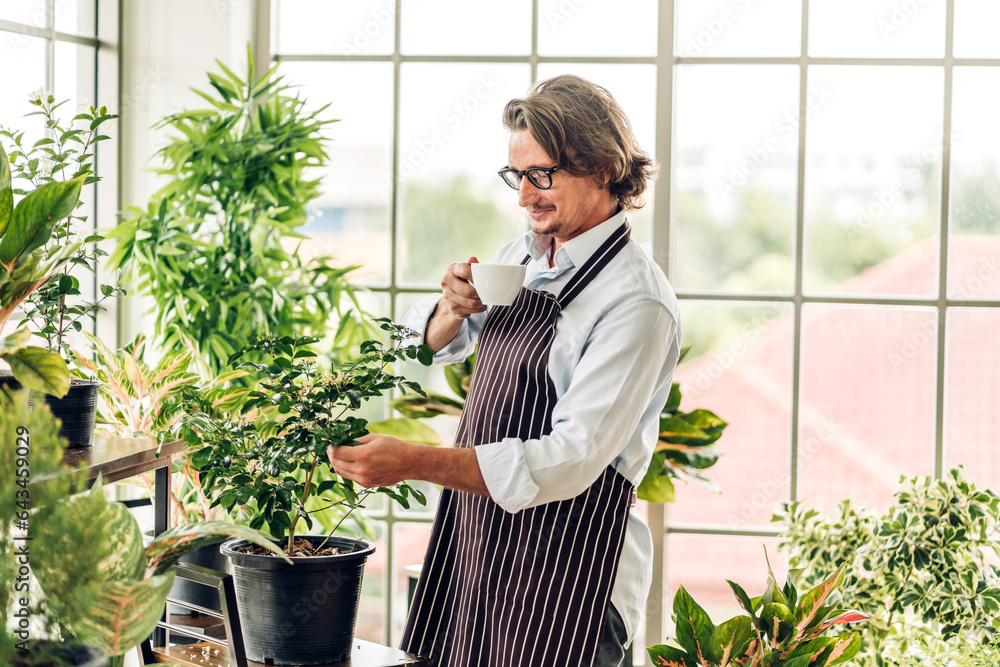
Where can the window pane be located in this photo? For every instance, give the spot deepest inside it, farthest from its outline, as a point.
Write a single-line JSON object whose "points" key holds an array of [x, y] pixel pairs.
{"points": [[28, 12], [75, 78], [454, 27], [351, 218], [451, 144], [867, 401], [634, 87], [409, 546], [972, 394], [740, 368], [735, 179], [703, 563], [873, 180], [738, 28], [76, 17], [370, 625], [361, 27], [877, 28], [20, 82], [975, 29], [597, 28], [974, 223]]}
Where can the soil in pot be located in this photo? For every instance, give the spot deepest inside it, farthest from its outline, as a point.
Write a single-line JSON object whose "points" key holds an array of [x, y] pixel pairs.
{"points": [[77, 410], [304, 613]]}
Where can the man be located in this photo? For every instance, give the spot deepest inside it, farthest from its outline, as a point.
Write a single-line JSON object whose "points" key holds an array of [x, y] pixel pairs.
{"points": [[535, 556]]}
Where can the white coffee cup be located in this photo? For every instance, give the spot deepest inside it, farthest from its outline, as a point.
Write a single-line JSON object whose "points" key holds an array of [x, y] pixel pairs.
{"points": [[497, 284]]}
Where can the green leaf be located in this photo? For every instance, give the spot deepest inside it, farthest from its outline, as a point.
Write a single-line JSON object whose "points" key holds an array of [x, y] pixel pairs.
{"points": [[673, 400], [35, 367], [125, 613], [731, 638], [693, 626], [35, 216], [656, 486], [168, 547], [808, 612], [670, 656], [6, 192], [409, 430]]}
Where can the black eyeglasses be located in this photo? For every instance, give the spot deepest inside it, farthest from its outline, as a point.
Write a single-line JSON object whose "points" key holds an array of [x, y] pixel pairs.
{"points": [[539, 177]]}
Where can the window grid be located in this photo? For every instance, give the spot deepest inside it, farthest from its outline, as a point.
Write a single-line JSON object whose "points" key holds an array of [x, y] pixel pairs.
{"points": [[664, 229]]}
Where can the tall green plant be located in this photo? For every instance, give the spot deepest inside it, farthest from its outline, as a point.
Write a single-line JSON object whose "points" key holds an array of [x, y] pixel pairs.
{"points": [[215, 246], [920, 569]]}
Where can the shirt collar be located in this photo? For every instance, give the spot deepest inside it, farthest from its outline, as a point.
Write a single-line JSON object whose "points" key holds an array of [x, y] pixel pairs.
{"points": [[578, 249]]}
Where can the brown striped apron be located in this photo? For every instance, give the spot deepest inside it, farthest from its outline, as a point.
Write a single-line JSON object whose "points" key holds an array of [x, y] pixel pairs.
{"points": [[531, 588]]}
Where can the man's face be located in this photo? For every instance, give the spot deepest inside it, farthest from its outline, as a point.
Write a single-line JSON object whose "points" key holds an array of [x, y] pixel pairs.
{"points": [[570, 207]]}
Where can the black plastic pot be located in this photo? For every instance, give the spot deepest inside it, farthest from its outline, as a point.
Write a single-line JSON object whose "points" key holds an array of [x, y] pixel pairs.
{"points": [[61, 653], [77, 410], [199, 594], [299, 614]]}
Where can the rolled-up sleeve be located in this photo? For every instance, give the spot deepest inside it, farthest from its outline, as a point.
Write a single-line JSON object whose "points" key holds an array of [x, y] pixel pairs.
{"points": [[459, 347], [626, 360]]}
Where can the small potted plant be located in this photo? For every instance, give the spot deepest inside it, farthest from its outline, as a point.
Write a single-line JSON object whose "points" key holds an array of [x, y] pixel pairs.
{"points": [[274, 467], [779, 629], [44, 242]]}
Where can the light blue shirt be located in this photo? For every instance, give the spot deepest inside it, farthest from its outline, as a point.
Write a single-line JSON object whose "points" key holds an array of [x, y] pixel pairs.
{"points": [[611, 362]]}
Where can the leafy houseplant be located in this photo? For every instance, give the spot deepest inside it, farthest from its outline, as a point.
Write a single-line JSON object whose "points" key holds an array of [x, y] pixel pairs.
{"points": [[919, 570], [779, 629], [112, 592], [685, 446], [270, 466], [43, 244], [67, 153], [224, 225]]}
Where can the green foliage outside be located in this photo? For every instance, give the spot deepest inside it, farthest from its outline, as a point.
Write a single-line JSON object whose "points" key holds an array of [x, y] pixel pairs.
{"points": [[446, 224], [919, 570], [960, 652], [216, 246]]}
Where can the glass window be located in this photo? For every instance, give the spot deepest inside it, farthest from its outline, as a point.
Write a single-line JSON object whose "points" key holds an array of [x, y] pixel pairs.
{"points": [[76, 17], [873, 180], [975, 29], [735, 180], [974, 231], [22, 81], [316, 27], [738, 28], [28, 12], [877, 28], [451, 144], [597, 27], [866, 402], [440, 27]]}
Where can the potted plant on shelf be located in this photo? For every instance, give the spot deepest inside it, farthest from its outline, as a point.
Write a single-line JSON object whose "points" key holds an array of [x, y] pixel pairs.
{"points": [[112, 591], [43, 243], [271, 469], [779, 628]]}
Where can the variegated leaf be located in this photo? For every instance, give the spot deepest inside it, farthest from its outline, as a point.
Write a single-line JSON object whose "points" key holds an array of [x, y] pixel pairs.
{"points": [[807, 613], [694, 627], [125, 613], [669, 656], [731, 639], [168, 547]]}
